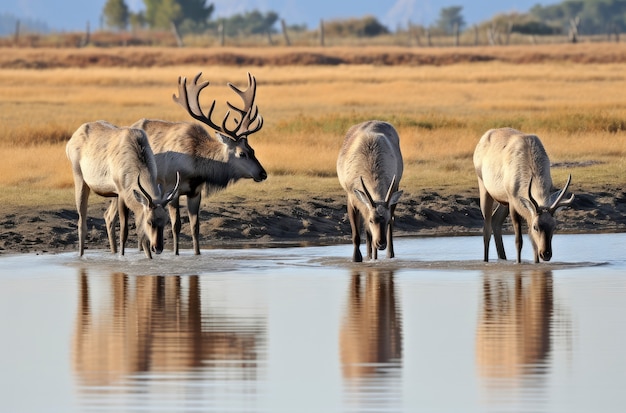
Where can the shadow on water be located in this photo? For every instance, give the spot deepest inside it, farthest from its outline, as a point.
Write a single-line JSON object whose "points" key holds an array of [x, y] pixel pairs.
{"points": [[156, 324], [308, 330], [516, 331], [370, 341], [371, 333]]}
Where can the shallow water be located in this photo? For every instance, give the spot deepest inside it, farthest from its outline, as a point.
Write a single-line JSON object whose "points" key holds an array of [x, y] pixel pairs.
{"points": [[305, 330]]}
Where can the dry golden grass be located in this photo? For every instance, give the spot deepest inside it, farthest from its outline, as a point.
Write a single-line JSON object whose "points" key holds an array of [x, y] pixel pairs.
{"points": [[440, 112]]}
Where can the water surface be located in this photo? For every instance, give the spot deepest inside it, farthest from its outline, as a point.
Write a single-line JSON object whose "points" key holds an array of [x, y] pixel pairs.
{"points": [[306, 330]]}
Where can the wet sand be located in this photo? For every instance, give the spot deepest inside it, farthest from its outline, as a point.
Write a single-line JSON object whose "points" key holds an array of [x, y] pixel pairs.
{"points": [[317, 220]]}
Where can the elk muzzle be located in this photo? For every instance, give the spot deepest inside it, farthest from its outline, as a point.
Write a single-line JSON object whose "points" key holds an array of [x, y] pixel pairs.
{"points": [[379, 237], [545, 255], [261, 176], [157, 245]]}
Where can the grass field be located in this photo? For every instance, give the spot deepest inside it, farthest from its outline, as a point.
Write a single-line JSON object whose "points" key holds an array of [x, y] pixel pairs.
{"points": [[578, 110]]}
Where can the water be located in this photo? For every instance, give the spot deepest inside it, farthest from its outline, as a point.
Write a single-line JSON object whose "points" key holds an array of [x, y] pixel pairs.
{"points": [[305, 330]]}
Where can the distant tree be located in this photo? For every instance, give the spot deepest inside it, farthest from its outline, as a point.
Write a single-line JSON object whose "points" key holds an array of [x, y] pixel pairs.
{"points": [[189, 15], [196, 10], [116, 14], [534, 27], [253, 22], [367, 26], [449, 18], [137, 20], [596, 16], [160, 14], [571, 9]]}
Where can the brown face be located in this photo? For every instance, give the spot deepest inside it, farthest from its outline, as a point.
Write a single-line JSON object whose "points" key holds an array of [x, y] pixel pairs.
{"points": [[541, 230], [377, 222], [155, 219]]}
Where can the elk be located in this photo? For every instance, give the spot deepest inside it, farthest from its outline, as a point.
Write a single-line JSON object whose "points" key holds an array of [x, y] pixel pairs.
{"points": [[204, 161], [513, 170], [369, 168], [113, 162]]}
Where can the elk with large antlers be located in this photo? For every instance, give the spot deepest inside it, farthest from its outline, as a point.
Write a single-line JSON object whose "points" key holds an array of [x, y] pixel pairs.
{"points": [[202, 160], [514, 170], [113, 162], [369, 168]]}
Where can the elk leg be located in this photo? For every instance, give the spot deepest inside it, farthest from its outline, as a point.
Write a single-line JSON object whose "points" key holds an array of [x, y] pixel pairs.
{"points": [[145, 244], [486, 207], [193, 208], [175, 221], [390, 252], [123, 213], [517, 226], [535, 248], [498, 217], [355, 217], [369, 246], [82, 198], [110, 218]]}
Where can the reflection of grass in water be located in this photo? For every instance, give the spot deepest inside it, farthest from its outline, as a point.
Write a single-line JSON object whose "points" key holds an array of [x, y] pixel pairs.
{"points": [[440, 113]]}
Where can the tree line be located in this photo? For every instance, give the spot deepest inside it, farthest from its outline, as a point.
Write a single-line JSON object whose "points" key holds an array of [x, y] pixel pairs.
{"points": [[571, 17], [195, 16], [591, 17]]}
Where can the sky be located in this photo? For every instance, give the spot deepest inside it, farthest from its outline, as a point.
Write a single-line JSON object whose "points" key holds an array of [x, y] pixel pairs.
{"points": [[69, 15]]}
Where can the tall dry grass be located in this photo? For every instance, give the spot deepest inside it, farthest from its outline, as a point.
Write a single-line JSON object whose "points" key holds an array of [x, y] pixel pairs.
{"points": [[578, 111]]}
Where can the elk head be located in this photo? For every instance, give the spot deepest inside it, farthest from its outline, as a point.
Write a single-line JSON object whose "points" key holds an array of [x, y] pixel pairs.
{"points": [[247, 121], [154, 217], [379, 213], [542, 223]]}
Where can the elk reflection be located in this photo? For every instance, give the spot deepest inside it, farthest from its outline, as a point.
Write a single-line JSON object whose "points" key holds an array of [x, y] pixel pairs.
{"points": [[371, 333], [153, 323], [513, 337]]}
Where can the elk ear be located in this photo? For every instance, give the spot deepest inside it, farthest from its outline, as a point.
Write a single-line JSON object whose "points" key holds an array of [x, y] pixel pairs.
{"points": [[395, 197], [141, 198], [557, 203], [362, 197], [528, 205]]}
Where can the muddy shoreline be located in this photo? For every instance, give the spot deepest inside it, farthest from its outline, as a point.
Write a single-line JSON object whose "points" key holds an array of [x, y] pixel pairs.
{"points": [[317, 220]]}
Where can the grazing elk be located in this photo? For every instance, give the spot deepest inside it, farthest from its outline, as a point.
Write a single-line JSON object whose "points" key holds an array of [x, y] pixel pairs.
{"points": [[113, 162], [369, 168], [514, 170], [201, 160]]}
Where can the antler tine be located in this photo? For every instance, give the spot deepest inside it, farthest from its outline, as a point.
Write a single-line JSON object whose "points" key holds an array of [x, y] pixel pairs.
{"points": [[390, 190], [193, 106], [530, 196], [250, 112], [247, 119], [367, 193], [558, 202], [247, 95], [143, 191]]}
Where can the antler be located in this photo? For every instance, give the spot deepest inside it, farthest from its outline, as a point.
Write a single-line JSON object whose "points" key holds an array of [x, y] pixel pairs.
{"points": [[172, 194], [530, 196], [367, 193], [144, 192], [559, 200], [557, 203], [250, 112], [189, 99], [390, 191], [192, 106]]}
